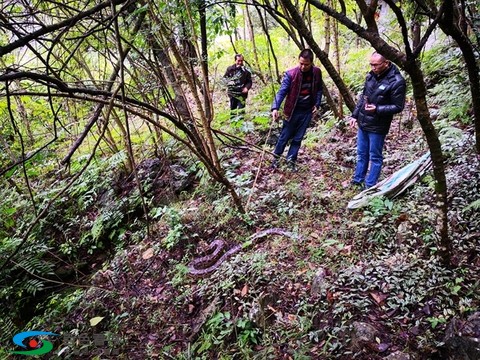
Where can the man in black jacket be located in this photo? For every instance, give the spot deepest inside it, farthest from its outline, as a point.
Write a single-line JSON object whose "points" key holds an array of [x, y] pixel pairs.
{"points": [[383, 96], [239, 82]]}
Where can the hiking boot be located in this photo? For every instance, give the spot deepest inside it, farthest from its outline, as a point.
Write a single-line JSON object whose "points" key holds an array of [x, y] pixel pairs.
{"points": [[292, 166], [357, 185], [275, 164]]}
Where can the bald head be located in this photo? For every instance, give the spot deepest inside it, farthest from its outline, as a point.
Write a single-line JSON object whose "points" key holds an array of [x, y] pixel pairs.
{"points": [[378, 63]]}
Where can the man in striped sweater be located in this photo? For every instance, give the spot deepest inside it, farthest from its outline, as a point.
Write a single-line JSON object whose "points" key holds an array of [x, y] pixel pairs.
{"points": [[302, 90]]}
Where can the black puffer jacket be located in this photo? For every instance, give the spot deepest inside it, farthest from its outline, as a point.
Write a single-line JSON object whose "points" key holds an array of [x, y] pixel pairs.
{"points": [[387, 92], [238, 78]]}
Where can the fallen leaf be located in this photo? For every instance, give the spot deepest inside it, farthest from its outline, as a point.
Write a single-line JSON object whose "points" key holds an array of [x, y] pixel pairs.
{"points": [[271, 308], [426, 309], [244, 290], [378, 297], [330, 297], [347, 250], [94, 321], [147, 254], [383, 347], [415, 330], [152, 337], [301, 272]]}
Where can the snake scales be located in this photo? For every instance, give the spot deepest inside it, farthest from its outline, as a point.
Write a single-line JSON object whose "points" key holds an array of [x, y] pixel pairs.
{"points": [[206, 264]]}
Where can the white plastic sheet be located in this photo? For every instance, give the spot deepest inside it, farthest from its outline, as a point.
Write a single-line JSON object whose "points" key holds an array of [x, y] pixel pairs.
{"points": [[395, 184]]}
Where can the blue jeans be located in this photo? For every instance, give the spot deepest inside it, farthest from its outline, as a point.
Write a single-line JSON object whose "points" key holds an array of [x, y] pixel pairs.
{"points": [[369, 151], [293, 130]]}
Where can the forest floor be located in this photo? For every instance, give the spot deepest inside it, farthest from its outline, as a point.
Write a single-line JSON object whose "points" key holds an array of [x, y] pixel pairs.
{"points": [[362, 284]]}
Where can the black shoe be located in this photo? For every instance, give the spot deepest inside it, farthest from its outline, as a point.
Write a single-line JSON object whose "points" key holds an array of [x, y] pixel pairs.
{"points": [[292, 166], [357, 185], [275, 164]]}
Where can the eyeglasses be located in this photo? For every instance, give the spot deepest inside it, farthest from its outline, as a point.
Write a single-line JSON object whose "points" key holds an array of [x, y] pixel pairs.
{"points": [[377, 65]]}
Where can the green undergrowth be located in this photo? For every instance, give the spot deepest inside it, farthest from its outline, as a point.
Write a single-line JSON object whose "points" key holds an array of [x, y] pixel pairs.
{"points": [[284, 297], [93, 264]]}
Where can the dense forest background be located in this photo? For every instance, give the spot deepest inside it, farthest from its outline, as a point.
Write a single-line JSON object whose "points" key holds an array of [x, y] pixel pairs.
{"points": [[120, 164]]}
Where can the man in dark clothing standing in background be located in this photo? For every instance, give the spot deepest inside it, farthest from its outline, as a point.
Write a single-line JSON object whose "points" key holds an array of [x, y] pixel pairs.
{"points": [[383, 96], [302, 88], [239, 82]]}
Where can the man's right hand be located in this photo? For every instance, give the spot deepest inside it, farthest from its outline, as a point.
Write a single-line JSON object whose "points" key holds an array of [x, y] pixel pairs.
{"points": [[352, 122], [275, 115]]}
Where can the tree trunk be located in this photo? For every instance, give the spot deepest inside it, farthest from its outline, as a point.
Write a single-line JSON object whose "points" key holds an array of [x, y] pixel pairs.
{"points": [[415, 28], [270, 46], [252, 38], [450, 26], [423, 115], [329, 67], [292, 30], [204, 61], [411, 66], [327, 27], [331, 103], [201, 133], [337, 63]]}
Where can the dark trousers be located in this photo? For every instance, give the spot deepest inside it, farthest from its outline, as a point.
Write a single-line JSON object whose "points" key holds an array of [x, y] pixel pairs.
{"points": [[237, 107], [293, 130]]}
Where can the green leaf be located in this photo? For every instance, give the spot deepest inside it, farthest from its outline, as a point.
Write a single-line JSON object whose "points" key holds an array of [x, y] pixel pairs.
{"points": [[94, 321]]}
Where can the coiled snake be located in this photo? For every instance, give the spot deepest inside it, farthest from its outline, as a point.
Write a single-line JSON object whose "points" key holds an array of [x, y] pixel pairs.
{"points": [[209, 263]]}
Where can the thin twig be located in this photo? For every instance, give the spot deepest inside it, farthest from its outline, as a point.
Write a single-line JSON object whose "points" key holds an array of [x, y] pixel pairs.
{"points": [[260, 164], [22, 145]]}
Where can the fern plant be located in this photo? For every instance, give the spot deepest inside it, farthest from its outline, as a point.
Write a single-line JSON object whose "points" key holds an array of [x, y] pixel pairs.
{"points": [[7, 328], [475, 205], [24, 279]]}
